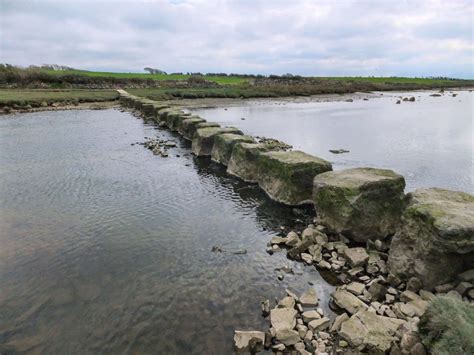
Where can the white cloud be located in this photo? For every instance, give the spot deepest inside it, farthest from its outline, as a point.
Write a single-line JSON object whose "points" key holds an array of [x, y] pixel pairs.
{"points": [[416, 38]]}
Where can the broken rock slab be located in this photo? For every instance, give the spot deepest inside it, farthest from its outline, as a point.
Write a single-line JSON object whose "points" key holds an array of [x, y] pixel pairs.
{"points": [[361, 203], [288, 336], [356, 256], [283, 318], [287, 176], [348, 301], [376, 333], [309, 298], [436, 239]]}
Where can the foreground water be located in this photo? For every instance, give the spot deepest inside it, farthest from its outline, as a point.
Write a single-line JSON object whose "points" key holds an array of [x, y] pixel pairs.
{"points": [[429, 141], [105, 248]]}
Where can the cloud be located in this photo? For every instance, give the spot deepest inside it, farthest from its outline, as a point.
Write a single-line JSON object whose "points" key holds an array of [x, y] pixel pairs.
{"points": [[415, 38]]}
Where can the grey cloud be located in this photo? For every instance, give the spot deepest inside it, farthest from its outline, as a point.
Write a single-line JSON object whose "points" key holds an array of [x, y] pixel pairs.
{"points": [[303, 37]]}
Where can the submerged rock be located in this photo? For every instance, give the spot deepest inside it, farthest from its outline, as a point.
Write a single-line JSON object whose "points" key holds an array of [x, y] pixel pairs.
{"points": [[203, 139], [436, 238], [360, 203], [287, 176], [249, 341], [224, 144]]}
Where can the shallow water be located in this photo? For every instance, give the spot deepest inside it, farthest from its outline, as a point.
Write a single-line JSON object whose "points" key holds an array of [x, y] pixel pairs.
{"points": [[429, 141], [106, 248]]}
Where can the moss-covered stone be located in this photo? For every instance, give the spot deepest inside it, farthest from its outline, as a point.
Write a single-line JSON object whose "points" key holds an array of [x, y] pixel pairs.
{"points": [[224, 144], [157, 107], [185, 127], [361, 203], [203, 139], [148, 108], [190, 128], [436, 238], [126, 99], [243, 162], [163, 115], [174, 119], [141, 102], [287, 176]]}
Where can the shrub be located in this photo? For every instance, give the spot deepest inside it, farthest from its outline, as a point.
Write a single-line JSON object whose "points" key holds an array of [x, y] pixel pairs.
{"points": [[447, 327]]}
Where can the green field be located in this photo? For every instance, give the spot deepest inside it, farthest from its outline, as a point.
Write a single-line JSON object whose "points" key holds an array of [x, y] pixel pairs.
{"points": [[223, 80], [233, 80], [37, 96]]}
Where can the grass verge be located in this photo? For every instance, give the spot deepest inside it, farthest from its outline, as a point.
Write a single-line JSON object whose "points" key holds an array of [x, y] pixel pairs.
{"points": [[447, 327], [37, 97]]}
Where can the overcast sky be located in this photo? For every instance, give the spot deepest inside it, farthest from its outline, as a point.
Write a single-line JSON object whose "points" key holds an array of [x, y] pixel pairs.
{"points": [[382, 38]]}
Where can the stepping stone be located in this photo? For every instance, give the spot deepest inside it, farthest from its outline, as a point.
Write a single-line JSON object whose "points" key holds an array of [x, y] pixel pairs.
{"points": [[361, 203]]}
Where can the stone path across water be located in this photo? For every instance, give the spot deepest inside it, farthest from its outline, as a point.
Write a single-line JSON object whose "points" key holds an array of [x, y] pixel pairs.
{"points": [[381, 300]]}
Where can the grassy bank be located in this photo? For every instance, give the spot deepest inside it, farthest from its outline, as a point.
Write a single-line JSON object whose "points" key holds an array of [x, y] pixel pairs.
{"points": [[35, 86], [36, 98]]}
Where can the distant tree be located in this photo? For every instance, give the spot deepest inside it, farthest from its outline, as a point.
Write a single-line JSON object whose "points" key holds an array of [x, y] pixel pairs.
{"points": [[154, 71]]}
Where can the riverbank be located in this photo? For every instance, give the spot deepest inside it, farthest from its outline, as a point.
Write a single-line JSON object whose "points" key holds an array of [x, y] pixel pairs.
{"points": [[378, 292], [34, 100], [29, 100]]}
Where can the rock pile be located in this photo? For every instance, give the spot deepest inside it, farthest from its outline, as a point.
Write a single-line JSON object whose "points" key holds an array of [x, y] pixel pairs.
{"points": [[159, 146], [380, 312]]}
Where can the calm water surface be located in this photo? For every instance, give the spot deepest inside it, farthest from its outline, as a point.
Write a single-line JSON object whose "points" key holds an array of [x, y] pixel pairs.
{"points": [[429, 141], [105, 248]]}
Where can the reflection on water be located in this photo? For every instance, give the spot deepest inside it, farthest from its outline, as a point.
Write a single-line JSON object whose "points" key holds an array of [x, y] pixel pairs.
{"points": [[429, 141], [106, 248]]}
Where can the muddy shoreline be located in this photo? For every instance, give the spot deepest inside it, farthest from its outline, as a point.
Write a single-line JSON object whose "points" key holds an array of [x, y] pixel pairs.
{"points": [[203, 103], [99, 105]]}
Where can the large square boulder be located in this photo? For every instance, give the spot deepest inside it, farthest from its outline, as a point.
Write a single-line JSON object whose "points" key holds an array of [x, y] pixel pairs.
{"points": [[361, 203], [190, 127], [224, 144], [185, 126], [287, 176], [203, 139], [163, 114], [436, 239], [174, 119], [243, 161]]}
